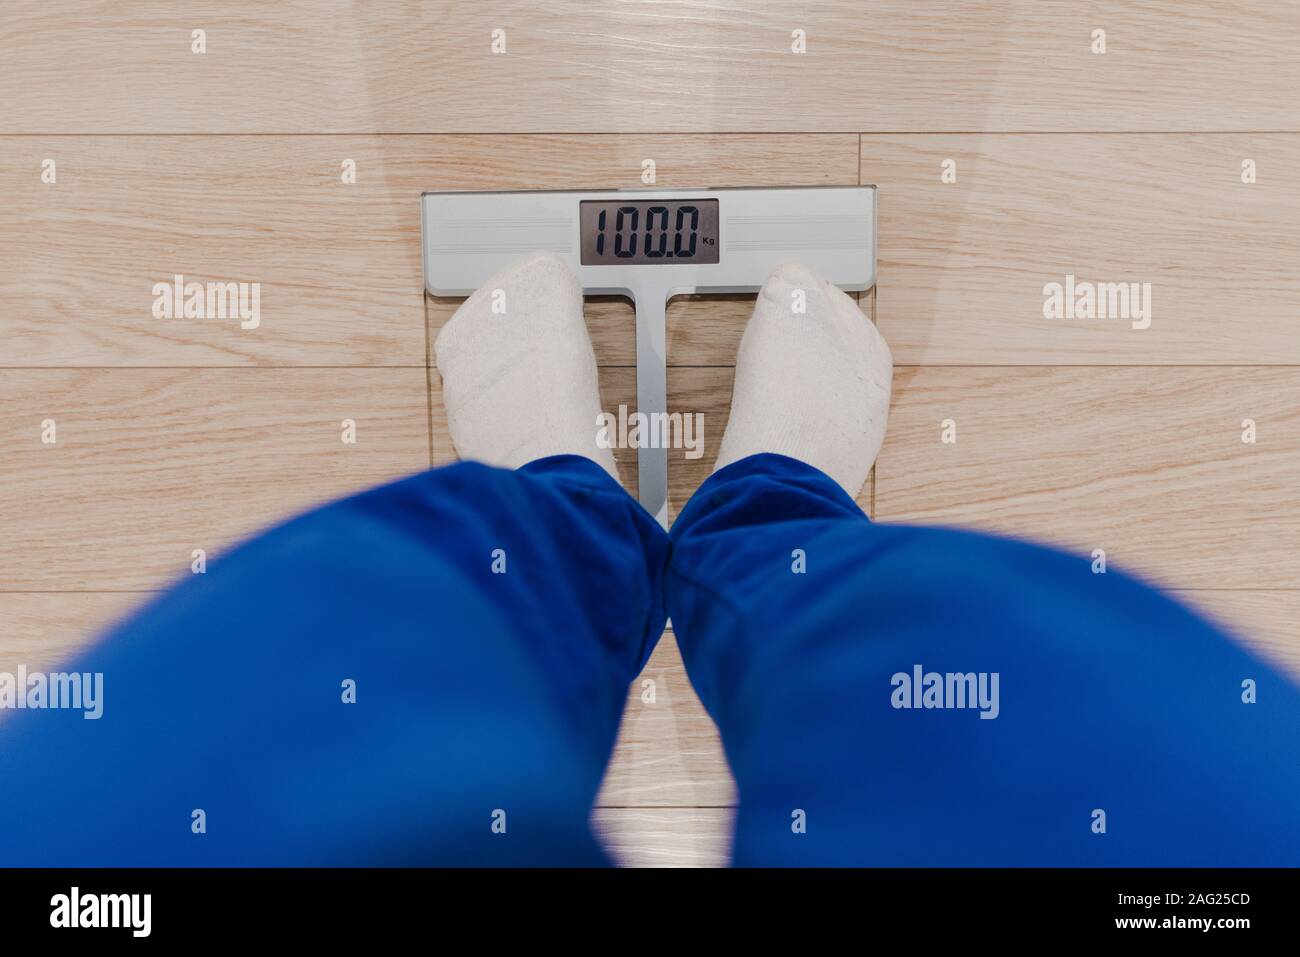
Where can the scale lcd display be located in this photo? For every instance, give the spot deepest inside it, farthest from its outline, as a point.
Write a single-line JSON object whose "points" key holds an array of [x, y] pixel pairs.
{"points": [[645, 232]]}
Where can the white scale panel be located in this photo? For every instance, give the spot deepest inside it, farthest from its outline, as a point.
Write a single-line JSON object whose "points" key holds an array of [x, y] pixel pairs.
{"points": [[468, 237]]}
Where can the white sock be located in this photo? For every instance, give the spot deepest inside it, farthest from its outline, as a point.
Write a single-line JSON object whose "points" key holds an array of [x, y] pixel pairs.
{"points": [[518, 370], [813, 385]]}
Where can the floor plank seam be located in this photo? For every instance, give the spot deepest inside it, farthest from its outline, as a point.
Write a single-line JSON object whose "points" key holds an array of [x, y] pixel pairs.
{"points": [[665, 807], [637, 133], [193, 368], [428, 373]]}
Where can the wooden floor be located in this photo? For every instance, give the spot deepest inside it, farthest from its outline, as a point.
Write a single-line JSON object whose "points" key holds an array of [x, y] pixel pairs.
{"points": [[1125, 166]]}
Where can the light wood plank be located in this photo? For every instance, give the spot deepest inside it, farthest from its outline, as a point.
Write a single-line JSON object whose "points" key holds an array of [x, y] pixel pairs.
{"points": [[339, 267], [335, 66], [151, 464], [1148, 464], [665, 837], [963, 265], [668, 750]]}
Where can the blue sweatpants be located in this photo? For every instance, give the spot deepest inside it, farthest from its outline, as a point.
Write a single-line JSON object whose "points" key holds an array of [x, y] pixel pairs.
{"points": [[433, 672]]}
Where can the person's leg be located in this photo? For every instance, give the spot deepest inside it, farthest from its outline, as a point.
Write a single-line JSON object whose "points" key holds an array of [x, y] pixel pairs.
{"points": [[431, 672], [802, 626], [1118, 730], [487, 624]]}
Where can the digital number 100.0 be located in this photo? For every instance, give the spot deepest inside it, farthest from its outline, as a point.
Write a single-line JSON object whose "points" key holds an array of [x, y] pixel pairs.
{"points": [[655, 237]]}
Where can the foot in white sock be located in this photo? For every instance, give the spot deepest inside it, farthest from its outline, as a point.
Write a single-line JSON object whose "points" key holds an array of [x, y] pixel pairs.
{"points": [[812, 380], [518, 370]]}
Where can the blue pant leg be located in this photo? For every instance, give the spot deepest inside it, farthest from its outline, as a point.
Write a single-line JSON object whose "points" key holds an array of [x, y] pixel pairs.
{"points": [[481, 698], [1112, 699]]}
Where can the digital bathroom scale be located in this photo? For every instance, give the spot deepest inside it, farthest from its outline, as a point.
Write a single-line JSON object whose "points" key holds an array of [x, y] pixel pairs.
{"points": [[651, 245]]}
